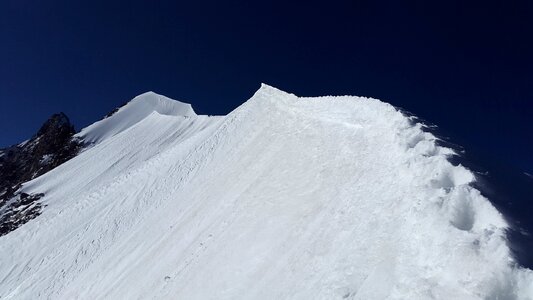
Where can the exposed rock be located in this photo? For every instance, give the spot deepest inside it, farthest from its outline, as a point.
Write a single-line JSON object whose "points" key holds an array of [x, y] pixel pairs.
{"points": [[115, 110], [51, 146], [19, 210]]}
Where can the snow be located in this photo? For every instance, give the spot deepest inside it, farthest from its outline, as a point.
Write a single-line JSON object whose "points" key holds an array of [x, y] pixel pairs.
{"points": [[133, 112], [284, 198], [46, 159], [23, 143]]}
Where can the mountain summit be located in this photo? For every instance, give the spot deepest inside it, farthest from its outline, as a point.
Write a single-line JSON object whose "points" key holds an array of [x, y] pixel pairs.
{"points": [[284, 198], [133, 112]]}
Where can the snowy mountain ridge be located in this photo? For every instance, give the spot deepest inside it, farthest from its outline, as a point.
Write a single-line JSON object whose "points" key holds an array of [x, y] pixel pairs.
{"points": [[133, 112], [283, 198]]}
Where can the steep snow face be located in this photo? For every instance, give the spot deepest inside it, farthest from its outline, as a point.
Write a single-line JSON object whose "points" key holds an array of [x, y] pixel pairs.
{"points": [[284, 198], [133, 112]]}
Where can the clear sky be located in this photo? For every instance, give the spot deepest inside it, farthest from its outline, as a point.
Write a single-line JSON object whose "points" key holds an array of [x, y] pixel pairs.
{"points": [[465, 65]]}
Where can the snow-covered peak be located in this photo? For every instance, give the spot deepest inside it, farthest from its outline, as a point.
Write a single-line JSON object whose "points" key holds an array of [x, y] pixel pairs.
{"points": [[267, 90], [284, 198], [132, 113], [150, 102], [265, 87]]}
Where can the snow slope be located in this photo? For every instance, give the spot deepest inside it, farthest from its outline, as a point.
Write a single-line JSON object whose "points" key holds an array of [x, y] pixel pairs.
{"points": [[284, 198], [133, 112]]}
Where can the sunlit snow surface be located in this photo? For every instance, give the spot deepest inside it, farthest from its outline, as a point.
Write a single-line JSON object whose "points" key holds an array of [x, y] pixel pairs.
{"points": [[135, 111], [284, 198]]}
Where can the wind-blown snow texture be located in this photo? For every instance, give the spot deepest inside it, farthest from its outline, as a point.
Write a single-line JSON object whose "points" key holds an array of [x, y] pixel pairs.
{"points": [[285, 197], [137, 110]]}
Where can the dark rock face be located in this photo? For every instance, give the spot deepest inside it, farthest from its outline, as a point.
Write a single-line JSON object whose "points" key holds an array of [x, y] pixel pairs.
{"points": [[115, 110], [51, 146], [22, 208]]}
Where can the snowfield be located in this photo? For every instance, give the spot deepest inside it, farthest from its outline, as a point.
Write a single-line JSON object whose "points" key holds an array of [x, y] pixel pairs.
{"points": [[284, 198]]}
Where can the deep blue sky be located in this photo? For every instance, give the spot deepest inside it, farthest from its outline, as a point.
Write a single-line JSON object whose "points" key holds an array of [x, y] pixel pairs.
{"points": [[466, 67]]}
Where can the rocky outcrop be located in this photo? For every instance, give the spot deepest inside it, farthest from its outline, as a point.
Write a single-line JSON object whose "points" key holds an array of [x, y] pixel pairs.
{"points": [[50, 147], [111, 113]]}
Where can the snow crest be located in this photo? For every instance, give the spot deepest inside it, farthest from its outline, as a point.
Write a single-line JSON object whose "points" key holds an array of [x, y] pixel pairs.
{"points": [[284, 198], [133, 112]]}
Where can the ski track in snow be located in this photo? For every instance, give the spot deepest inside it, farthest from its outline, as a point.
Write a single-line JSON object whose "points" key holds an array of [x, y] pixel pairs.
{"points": [[284, 198]]}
